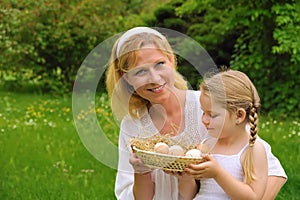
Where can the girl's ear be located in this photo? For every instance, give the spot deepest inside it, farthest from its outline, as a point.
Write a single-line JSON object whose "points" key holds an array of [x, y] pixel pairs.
{"points": [[240, 115]]}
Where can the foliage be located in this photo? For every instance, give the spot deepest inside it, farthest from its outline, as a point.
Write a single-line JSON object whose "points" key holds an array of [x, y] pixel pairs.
{"points": [[43, 43], [50, 39], [260, 38]]}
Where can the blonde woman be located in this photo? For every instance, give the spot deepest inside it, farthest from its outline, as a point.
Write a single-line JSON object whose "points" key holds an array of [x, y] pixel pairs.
{"points": [[151, 98]]}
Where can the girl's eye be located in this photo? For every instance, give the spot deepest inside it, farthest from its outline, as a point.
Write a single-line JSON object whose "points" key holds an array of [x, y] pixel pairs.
{"points": [[210, 115], [213, 116]]}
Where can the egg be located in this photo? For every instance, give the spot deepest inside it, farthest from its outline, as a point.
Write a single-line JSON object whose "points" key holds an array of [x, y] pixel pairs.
{"points": [[161, 147], [193, 153], [204, 148], [176, 150]]}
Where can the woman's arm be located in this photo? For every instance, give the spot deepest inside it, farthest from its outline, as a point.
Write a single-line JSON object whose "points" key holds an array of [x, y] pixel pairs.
{"points": [[130, 178], [143, 187], [187, 187]]}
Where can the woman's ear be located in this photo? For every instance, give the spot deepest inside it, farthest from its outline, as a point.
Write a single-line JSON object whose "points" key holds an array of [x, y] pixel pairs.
{"points": [[172, 59], [125, 78], [240, 115], [127, 83]]}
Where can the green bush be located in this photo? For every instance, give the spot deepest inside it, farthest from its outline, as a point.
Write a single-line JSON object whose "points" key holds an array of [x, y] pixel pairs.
{"points": [[52, 38], [260, 38]]}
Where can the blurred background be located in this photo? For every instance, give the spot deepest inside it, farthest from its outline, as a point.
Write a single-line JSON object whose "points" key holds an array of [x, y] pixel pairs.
{"points": [[43, 44]]}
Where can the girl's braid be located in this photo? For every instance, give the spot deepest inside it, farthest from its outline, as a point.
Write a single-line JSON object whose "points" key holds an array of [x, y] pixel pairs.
{"points": [[253, 121]]}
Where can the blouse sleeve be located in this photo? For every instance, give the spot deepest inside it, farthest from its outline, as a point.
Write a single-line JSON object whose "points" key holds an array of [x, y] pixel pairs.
{"points": [[125, 179]]}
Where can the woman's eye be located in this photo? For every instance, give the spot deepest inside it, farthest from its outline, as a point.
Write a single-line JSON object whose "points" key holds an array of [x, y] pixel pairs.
{"points": [[140, 72], [160, 63]]}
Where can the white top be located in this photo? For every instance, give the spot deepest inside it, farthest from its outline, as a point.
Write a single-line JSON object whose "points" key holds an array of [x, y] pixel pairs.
{"points": [[166, 186], [210, 189]]}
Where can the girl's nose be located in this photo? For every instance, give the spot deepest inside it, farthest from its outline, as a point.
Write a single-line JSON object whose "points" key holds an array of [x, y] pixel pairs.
{"points": [[205, 119]]}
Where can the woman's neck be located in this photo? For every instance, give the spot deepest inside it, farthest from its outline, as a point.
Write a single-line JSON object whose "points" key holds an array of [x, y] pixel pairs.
{"points": [[171, 106], [169, 116]]}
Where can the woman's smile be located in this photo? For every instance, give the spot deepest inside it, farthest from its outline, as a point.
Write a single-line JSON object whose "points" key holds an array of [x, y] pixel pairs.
{"points": [[158, 89]]}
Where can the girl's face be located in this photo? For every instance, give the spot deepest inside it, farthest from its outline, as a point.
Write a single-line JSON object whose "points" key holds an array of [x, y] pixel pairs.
{"points": [[216, 119], [153, 76]]}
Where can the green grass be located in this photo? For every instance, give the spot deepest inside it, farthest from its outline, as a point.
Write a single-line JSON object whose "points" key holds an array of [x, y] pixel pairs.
{"points": [[284, 138], [42, 156]]}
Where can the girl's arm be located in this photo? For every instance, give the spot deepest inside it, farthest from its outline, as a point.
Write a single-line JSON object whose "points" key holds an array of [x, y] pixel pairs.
{"points": [[277, 176], [274, 185], [234, 188]]}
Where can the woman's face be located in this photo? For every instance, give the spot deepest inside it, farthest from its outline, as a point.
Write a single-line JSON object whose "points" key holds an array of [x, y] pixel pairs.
{"points": [[153, 76], [216, 119]]}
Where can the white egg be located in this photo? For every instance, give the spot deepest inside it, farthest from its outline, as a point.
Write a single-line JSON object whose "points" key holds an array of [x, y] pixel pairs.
{"points": [[176, 150], [193, 153], [161, 147], [204, 148]]}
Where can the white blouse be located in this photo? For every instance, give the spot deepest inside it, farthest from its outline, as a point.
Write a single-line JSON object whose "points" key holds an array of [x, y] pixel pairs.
{"points": [[166, 186]]}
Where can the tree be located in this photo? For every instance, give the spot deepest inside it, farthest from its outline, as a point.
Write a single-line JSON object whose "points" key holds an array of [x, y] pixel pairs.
{"points": [[260, 38]]}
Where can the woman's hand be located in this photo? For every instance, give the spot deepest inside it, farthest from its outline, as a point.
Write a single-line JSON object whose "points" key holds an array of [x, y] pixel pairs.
{"points": [[138, 164], [207, 169]]}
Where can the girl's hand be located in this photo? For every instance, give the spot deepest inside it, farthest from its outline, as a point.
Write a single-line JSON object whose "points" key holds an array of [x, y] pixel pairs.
{"points": [[138, 165], [207, 169]]}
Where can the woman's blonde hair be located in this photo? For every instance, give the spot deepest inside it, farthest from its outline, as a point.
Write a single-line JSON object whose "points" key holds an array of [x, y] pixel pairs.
{"points": [[234, 90], [123, 98]]}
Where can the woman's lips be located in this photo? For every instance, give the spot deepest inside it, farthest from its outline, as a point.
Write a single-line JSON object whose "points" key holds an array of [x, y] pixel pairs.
{"points": [[157, 89]]}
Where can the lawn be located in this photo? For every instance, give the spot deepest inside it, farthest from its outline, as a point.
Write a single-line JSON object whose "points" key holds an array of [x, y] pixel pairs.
{"points": [[43, 157]]}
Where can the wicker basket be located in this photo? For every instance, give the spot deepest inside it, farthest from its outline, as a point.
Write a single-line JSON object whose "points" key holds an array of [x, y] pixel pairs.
{"points": [[165, 161]]}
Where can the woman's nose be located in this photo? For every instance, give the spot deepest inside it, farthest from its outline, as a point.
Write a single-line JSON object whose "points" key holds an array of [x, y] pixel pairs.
{"points": [[153, 76]]}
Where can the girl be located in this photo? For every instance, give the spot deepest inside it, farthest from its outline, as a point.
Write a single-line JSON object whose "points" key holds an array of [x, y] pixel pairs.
{"points": [[238, 166]]}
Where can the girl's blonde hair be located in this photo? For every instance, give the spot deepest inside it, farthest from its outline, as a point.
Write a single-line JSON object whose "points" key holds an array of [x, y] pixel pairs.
{"points": [[234, 90], [123, 98]]}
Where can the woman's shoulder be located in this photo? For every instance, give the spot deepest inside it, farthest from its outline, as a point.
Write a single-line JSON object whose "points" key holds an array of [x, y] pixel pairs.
{"points": [[129, 121], [193, 95]]}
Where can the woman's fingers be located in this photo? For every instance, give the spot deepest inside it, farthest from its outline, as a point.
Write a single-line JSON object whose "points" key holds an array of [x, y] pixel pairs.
{"points": [[138, 165]]}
